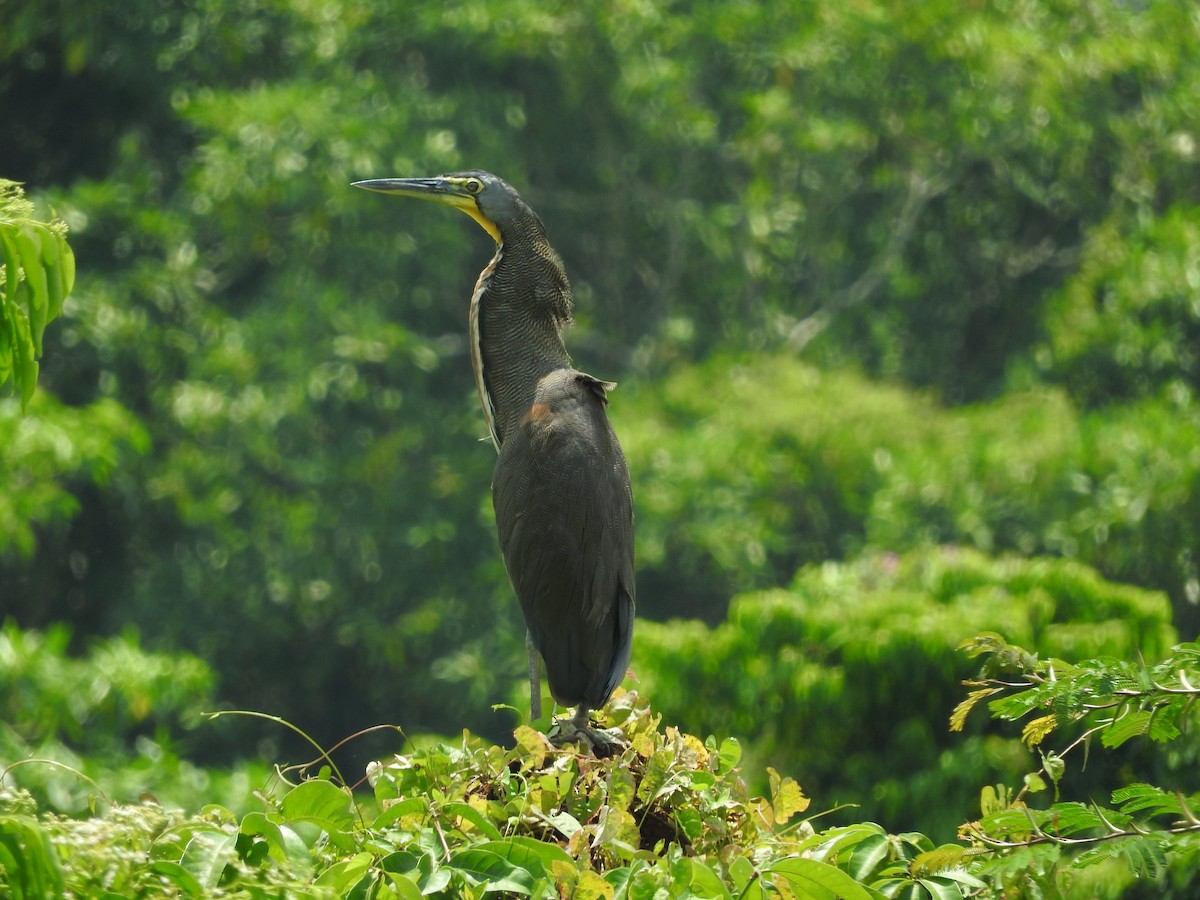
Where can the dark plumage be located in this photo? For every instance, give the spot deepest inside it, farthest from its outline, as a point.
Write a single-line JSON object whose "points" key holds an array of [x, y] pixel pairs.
{"points": [[564, 509]]}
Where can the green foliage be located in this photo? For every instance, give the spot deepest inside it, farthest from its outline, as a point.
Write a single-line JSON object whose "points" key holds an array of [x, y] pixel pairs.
{"points": [[844, 675], [39, 272], [1127, 323], [47, 456], [669, 816], [114, 716], [828, 463], [1149, 831]]}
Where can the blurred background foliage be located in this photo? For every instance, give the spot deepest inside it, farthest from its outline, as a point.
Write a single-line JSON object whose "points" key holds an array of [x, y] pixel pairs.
{"points": [[876, 278]]}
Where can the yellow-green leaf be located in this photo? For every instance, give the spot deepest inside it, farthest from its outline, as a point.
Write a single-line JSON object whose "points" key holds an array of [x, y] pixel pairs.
{"points": [[786, 797], [1035, 730]]}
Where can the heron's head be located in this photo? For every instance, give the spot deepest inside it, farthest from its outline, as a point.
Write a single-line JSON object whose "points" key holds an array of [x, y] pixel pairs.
{"points": [[489, 200]]}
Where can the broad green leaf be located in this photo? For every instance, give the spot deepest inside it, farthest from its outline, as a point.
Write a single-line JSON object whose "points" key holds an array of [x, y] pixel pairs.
{"points": [[811, 878], [256, 823], [619, 878], [867, 855], [1034, 782], [472, 815], [492, 871], [29, 246], [547, 852], [746, 881], [690, 822], [207, 854], [345, 874], [563, 822], [398, 810], [942, 889], [534, 856], [704, 882], [321, 802], [1054, 765], [728, 756], [405, 887]]}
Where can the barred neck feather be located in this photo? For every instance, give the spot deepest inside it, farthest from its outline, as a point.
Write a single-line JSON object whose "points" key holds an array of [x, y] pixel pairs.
{"points": [[517, 315]]}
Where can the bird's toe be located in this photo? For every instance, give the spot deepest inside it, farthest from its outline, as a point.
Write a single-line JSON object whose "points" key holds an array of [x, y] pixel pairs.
{"points": [[600, 742]]}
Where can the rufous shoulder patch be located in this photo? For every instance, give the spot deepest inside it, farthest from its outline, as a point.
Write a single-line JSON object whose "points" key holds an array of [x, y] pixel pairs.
{"points": [[539, 412]]}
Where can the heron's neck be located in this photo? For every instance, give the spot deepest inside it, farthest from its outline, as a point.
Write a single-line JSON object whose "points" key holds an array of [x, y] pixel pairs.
{"points": [[521, 303]]}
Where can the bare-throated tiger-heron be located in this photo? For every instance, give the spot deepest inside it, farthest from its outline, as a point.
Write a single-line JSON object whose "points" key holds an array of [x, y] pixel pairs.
{"points": [[561, 492]]}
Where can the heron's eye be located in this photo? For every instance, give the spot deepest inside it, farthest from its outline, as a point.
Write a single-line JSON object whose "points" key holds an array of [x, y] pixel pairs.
{"points": [[474, 185]]}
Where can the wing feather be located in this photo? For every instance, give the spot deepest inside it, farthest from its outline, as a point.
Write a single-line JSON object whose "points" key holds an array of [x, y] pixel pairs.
{"points": [[564, 513]]}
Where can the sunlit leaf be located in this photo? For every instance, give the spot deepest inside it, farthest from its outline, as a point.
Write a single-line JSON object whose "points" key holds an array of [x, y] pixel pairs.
{"points": [[810, 878]]}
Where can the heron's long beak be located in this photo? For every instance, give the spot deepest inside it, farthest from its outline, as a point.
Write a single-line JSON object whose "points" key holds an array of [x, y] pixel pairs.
{"points": [[447, 191]]}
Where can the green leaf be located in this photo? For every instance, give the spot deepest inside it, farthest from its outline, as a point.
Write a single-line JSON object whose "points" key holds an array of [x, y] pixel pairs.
{"points": [[405, 887], [398, 810], [1054, 765], [690, 822], [619, 878], [282, 842], [472, 815], [728, 756], [867, 855], [342, 876], [321, 802], [942, 888], [1128, 726], [534, 856], [704, 882], [29, 246], [207, 855], [1141, 797], [492, 871], [811, 878], [563, 822], [1034, 782], [320, 805]]}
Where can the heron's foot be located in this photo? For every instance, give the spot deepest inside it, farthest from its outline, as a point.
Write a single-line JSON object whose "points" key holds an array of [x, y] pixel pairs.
{"points": [[602, 742]]}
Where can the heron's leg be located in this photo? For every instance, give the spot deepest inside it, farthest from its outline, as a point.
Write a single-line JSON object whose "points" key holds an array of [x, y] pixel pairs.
{"points": [[602, 743], [580, 719], [535, 679]]}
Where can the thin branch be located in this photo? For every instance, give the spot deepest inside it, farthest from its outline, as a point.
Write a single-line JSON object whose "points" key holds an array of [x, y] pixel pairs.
{"points": [[920, 191], [1045, 837]]}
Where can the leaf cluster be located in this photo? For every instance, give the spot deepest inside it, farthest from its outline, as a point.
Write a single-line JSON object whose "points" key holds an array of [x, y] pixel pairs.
{"points": [[670, 814], [39, 272], [116, 715], [814, 670], [1107, 700], [1116, 699]]}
